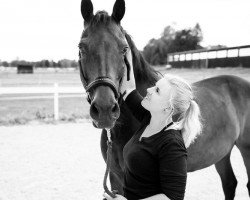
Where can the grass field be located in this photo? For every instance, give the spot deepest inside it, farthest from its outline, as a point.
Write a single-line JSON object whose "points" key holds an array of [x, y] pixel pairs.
{"points": [[20, 111]]}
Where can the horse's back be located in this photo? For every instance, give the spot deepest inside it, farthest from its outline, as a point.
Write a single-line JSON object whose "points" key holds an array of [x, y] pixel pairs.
{"points": [[224, 102], [236, 85], [232, 90], [240, 96]]}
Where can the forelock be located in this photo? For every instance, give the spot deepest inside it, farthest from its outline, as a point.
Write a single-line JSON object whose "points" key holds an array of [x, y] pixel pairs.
{"points": [[101, 17]]}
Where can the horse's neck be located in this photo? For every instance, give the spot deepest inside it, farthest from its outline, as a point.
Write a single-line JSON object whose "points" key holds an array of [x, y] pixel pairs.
{"points": [[141, 83], [145, 76], [141, 87], [127, 124]]}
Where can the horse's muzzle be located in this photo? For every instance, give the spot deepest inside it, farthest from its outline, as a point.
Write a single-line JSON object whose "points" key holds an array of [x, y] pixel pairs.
{"points": [[104, 114], [104, 124]]}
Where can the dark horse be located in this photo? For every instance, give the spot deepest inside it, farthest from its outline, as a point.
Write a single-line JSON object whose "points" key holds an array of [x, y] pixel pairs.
{"points": [[224, 100]]}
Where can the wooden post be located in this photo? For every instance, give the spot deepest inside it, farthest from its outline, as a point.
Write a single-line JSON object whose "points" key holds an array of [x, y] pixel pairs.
{"points": [[56, 104], [206, 65]]}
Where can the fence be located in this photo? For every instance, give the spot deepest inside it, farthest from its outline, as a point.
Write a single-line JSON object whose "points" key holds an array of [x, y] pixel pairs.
{"points": [[210, 58], [56, 90]]}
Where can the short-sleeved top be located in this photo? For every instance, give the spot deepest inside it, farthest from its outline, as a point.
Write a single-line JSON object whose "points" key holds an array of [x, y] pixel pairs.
{"points": [[156, 164]]}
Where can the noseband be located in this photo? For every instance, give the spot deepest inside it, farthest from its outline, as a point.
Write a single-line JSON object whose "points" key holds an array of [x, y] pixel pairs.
{"points": [[104, 81]]}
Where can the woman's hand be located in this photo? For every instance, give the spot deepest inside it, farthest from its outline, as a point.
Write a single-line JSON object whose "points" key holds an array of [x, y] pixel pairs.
{"points": [[128, 85], [117, 197]]}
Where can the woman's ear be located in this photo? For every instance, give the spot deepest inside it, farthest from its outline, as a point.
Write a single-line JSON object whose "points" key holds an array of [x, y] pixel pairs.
{"points": [[169, 110]]}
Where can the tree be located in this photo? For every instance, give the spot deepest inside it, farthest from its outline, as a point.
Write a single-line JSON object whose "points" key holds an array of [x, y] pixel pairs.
{"points": [[5, 64], [156, 51], [188, 39], [46, 63]]}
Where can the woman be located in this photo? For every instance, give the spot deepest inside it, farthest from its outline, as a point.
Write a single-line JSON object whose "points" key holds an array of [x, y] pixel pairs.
{"points": [[155, 158]]}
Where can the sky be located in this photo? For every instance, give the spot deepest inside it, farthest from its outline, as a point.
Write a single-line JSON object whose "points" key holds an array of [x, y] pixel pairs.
{"points": [[50, 29]]}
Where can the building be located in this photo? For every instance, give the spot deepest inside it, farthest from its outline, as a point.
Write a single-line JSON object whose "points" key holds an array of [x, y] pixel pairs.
{"points": [[25, 69], [210, 58]]}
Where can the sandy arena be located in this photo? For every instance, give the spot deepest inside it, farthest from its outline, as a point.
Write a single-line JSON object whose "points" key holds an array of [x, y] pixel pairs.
{"points": [[64, 162]]}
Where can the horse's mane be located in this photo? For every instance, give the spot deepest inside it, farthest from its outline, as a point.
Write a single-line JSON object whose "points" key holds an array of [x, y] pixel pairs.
{"points": [[143, 71]]}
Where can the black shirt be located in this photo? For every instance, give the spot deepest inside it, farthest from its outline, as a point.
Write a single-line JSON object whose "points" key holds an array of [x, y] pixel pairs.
{"points": [[156, 164]]}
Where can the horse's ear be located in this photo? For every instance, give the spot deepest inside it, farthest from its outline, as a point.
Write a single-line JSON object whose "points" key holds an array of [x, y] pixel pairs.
{"points": [[87, 10], [118, 10]]}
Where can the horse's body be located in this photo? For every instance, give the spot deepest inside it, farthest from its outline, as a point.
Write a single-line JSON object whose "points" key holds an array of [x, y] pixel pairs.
{"points": [[225, 108], [224, 102]]}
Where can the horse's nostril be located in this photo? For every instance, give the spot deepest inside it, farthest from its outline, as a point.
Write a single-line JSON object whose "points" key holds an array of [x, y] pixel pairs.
{"points": [[94, 109]]}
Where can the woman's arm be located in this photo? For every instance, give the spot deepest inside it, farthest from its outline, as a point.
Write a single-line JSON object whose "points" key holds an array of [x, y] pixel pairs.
{"points": [[120, 197], [173, 167], [157, 197], [133, 101]]}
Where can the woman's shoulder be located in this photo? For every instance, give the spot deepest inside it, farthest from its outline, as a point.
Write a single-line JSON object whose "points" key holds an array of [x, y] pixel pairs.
{"points": [[172, 139], [172, 134]]}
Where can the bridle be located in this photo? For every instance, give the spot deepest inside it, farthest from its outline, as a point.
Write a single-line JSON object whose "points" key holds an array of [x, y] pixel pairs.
{"points": [[103, 81]]}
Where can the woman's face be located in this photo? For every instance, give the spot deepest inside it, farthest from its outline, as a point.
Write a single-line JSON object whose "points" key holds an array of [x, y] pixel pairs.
{"points": [[158, 97]]}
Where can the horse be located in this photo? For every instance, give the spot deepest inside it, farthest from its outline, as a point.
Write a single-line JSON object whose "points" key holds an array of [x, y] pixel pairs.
{"points": [[224, 100]]}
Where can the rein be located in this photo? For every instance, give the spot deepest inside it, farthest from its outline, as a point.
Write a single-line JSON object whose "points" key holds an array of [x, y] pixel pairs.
{"points": [[109, 143], [109, 157]]}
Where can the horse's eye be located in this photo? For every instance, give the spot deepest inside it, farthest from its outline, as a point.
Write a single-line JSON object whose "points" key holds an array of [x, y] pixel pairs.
{"points": [[82, 53], [124, 51]]}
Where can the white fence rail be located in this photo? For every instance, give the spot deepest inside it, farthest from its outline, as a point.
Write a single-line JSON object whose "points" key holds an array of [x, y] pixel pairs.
{"points": [[56, 90]]}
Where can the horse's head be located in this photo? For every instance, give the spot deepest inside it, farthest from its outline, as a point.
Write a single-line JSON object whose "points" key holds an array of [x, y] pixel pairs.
{"points": [[102, 61]]}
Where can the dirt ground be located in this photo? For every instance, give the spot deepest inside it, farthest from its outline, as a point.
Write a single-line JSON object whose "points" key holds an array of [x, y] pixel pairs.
{"points": [[64, 162]]}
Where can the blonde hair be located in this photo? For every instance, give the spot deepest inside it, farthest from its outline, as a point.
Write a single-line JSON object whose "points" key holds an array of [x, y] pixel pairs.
{"points": [[183, 104]]}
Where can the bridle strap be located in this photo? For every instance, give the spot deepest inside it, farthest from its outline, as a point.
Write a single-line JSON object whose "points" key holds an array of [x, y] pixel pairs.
{"points": [[128, 67], [103, 81]]}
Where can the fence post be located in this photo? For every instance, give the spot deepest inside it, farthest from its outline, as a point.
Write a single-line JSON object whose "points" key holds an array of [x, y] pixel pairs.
{"points": [[56, 104]]}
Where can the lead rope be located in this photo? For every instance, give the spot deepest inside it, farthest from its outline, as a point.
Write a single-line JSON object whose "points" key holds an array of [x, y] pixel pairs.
{"points": [[109, 152]]}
